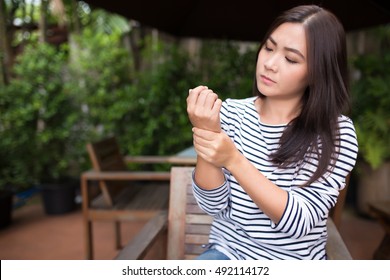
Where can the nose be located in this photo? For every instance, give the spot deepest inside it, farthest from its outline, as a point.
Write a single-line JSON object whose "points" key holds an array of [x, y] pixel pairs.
{"points": [[271, 63]]}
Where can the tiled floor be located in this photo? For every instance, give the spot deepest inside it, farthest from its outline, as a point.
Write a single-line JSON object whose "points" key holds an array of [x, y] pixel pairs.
{"points": [[35, 235]]}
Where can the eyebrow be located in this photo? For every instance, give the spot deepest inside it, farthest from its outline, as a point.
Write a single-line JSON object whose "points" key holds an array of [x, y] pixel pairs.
{"points": [[287, 48]]}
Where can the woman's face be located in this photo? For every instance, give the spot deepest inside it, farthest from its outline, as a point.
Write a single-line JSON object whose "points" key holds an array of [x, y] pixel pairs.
{"points": [[281, 69]]}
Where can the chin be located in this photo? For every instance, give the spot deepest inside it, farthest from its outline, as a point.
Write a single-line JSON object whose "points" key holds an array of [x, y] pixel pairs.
{"points": [[263, 90], [260, 88]]}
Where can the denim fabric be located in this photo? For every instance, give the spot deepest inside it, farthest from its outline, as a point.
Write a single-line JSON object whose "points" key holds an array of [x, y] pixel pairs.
{"points": [[212, 254]]}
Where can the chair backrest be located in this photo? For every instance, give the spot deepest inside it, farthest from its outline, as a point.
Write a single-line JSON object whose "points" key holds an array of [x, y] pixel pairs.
{"points": [[189, 226], [105, 155], [336, 212]]}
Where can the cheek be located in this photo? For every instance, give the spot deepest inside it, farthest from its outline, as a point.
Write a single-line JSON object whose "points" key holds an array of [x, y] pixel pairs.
{"points": [[257, 69], [260, 59], [301, 77], [305, 78]]}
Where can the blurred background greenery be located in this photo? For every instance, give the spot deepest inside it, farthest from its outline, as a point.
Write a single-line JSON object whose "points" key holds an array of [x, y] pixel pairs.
{"points": [[72, 75]]}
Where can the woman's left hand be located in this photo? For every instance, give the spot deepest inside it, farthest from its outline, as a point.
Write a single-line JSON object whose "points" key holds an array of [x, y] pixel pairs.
{"points": [[215, 147], [203, 108]]}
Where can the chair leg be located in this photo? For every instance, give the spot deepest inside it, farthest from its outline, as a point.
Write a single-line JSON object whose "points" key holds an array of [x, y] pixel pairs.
{"points": [[118, 241], [88, 240], [163, 248], [86, 221]]}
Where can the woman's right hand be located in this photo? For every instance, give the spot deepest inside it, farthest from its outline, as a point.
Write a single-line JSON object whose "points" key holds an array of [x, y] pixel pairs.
{"points": [[203, 108]]}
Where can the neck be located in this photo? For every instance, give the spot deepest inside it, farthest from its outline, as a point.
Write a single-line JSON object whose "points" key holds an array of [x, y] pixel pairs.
{"points": [[277, 111]]}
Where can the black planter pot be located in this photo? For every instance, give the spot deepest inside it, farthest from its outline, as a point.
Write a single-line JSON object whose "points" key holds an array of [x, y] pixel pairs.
{"points": [[58, 198], [5, 208]]}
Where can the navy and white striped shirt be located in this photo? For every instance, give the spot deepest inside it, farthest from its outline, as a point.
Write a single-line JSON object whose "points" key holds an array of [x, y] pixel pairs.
{"points": [[240, 229]]}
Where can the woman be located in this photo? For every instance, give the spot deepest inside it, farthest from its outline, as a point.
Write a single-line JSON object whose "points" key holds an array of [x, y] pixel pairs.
{"points": [[270, 167]]}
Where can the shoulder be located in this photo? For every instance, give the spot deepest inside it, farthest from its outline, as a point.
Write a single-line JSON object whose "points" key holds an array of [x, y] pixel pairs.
{"points": [[346, 126], [234, 110], [347, 133], [238, 104], [241, 102], [345, 122]]}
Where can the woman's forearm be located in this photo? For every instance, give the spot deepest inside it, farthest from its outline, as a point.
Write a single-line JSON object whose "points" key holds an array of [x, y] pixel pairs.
{"points": [[271, 199], [208, 176]]}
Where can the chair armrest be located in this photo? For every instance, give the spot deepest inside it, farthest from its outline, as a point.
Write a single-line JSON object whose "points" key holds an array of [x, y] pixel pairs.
{"points": [[137, 248], [146, 159], [335, 246], [179, 160], [125, 175]]}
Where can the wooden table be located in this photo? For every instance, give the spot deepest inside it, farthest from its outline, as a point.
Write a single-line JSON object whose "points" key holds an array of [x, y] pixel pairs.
{"points": [[381, 211]]}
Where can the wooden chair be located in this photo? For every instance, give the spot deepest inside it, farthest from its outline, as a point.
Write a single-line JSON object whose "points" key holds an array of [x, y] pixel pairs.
{"points": [[336, 212], [124, 195], [186, 227], [380, 210]]}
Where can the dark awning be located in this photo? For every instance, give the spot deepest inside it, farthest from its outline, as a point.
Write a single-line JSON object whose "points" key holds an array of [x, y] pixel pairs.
{"points": [[245, 20]]}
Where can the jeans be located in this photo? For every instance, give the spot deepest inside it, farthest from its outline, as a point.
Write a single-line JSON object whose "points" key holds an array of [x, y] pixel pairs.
{"points": [[212, 254]]}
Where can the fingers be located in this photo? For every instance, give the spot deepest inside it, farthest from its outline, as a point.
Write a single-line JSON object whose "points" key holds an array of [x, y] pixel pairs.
{"points": [[203, 134], [216, 106], [203, 108], [202, 140], [193, 94], [202, 147], [207, 145], [207, 98], [202, 97]]}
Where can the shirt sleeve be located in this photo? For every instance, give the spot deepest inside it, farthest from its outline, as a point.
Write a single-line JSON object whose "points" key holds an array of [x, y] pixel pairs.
{"points": [[307, 206], [212, 201]]}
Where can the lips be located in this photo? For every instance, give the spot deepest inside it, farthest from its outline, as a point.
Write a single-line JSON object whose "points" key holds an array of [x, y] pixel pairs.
{"points": [[267, 80]]}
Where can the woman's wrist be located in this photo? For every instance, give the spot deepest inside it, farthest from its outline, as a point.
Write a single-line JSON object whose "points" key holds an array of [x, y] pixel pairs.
{"points": [[235, 161], [207, 175]]}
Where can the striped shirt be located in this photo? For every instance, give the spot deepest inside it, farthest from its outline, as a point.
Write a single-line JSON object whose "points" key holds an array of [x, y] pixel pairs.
{"points": [[240, 229]]}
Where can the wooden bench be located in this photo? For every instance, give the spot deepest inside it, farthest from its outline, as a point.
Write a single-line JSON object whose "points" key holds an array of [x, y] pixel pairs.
{"points": [[381, 211], [111, 192], [182, 230]]}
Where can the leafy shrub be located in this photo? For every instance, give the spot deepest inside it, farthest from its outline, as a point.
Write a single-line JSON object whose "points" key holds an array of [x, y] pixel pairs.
{"points": [[371, 96], [38, 119], [100, 81], [228, 70], [62, 98]]}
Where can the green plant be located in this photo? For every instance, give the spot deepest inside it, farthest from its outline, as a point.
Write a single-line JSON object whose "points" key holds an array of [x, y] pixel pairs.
{"points": [[17, 142], [227, 69], [62, 98], [100, 81], [39, 118], [371, 106], [158, 122], [141, 108]]}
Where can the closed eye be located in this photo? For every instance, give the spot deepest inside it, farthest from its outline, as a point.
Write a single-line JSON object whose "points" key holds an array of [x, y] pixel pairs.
{"points": [[291, 61]]}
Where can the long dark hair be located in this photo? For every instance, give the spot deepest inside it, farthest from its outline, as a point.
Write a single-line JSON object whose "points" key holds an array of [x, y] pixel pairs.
{"points": [[315, 130]]}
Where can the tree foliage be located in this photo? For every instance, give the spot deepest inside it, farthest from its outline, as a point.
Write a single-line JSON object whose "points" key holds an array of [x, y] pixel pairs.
{"points": [[371, 103], [62, 97]]}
